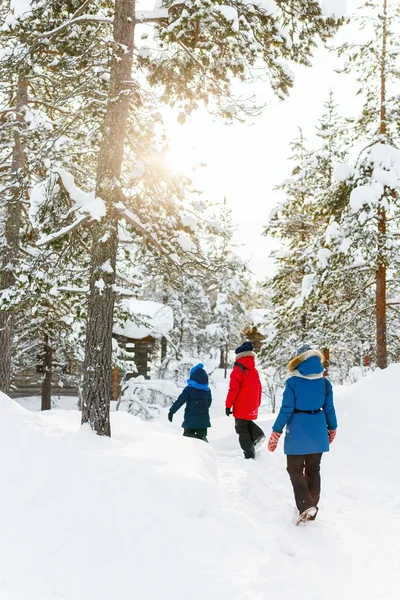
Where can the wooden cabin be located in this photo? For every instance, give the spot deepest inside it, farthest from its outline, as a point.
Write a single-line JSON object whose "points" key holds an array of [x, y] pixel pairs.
{"points": [[143, 336]]}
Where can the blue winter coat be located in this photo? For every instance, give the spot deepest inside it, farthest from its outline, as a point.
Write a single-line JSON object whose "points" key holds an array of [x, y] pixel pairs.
{"points": [[306, 433], [198, 402]]}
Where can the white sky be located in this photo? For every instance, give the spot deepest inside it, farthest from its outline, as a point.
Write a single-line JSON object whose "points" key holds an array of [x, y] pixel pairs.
{"points": [[245, 162]]}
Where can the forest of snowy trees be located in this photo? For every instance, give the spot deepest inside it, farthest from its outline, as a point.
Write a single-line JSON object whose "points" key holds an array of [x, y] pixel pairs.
{"points": [[337, 264], [92, 215]]}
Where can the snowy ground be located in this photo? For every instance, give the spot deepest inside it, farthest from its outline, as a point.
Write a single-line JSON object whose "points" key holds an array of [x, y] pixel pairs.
{"points": [[151, 515]]}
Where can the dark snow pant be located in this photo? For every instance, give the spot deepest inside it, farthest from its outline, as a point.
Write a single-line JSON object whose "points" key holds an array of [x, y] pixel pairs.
{"points": [[199, 434], [304, 473], [248, 433]]}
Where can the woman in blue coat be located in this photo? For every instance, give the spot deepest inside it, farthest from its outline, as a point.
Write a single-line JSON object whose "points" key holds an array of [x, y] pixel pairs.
{"points": [[197, 397], [309, 416]]}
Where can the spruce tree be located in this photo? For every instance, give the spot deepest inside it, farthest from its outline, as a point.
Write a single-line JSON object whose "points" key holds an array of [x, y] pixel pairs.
{"points": [[361, 243]]}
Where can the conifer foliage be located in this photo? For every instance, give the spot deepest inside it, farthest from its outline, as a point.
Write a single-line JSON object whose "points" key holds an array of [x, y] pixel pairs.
{"points": [[81, 98], [350, 290]]}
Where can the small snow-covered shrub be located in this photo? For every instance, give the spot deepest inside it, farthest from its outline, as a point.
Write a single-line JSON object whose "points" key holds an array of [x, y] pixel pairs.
{"points": [[143, 398]]}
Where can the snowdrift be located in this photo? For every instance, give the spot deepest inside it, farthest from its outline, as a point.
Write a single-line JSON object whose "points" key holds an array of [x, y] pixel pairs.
{"points": [[152, 515], [87, 517]]}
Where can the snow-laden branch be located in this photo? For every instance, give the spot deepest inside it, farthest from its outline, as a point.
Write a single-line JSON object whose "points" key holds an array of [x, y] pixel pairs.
{"points": [[142, 16], [152, 16], [63, 231], [86, 205], [87, 18], [134, 220]]}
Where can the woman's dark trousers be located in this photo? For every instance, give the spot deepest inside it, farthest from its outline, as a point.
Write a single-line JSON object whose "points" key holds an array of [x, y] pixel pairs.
{"points": [[304, 473], [248, 433], [199, 434]]}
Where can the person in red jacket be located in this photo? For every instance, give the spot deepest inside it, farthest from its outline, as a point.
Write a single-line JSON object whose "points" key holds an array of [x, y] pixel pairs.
{"points": [[244, 397]]}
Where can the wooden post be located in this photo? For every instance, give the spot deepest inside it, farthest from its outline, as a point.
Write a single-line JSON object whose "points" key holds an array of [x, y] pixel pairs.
{"points": [[325, 364], [47, 373]]}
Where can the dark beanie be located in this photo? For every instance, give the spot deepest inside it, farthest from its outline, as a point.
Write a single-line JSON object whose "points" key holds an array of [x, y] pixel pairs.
{"points": [[198, 374], [246, 347]]}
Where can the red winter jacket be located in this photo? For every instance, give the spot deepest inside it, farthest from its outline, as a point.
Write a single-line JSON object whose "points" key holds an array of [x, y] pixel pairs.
{"points": [[244, 389]]}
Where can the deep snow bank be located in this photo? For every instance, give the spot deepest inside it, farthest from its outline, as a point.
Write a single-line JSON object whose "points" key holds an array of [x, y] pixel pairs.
{"points": [[149, 515], [86, 517]]}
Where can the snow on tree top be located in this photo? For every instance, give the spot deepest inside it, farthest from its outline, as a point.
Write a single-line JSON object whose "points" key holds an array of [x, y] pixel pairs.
{"points": [[258, 317], [268, 6], [190, 222], [332, 231], [86, 201], [230, 14], [186, 244], [335, 9], [21, 8], [342, 172], [366, 194], [323, 257], [157, 319]]}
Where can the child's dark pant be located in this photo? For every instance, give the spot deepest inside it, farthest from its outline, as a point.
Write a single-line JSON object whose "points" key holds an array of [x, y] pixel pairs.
{"points": [[199, 434], [248, 433]]}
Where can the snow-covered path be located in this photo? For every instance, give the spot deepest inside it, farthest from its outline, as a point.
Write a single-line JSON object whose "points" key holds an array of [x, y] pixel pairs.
{"points": [[152, 515], [349, 552], [352, 550]]}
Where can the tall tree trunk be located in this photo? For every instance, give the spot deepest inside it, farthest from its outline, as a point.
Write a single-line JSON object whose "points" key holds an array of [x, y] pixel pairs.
{"points": [[381, 341], [164, 347], [48, 372], [97, 385], [12, 226]]}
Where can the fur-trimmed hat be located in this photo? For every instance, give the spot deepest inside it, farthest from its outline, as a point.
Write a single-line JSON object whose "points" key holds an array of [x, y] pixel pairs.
{"points": [[303, 353]]}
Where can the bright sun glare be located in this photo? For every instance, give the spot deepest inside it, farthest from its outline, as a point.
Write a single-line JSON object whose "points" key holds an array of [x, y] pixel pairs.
{"points": [[181, 158]]}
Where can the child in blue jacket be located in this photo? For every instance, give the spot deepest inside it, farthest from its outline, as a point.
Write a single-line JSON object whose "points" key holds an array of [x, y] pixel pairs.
{"points": [[197, 397], [308, 413]]}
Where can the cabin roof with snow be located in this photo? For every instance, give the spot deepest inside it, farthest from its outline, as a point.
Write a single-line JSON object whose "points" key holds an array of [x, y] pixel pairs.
{"points": [[149, 319]]}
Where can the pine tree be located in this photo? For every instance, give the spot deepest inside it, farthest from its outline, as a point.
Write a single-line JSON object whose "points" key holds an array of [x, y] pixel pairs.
{"points": [[48, 99], [292, 224], [229, 288], [299, 224], [362, 246]]}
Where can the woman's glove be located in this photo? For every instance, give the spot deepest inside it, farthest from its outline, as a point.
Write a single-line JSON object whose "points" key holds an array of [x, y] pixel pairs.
{"points": [[228, 412], [273, 441], [170, 416], [331, 435]]}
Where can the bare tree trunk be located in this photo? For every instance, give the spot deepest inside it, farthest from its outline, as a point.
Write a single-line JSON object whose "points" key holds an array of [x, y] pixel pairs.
{"points": [[381, 341], [97, 385], [164, 347], [221, 358], [11, 235], [48, 372]]}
